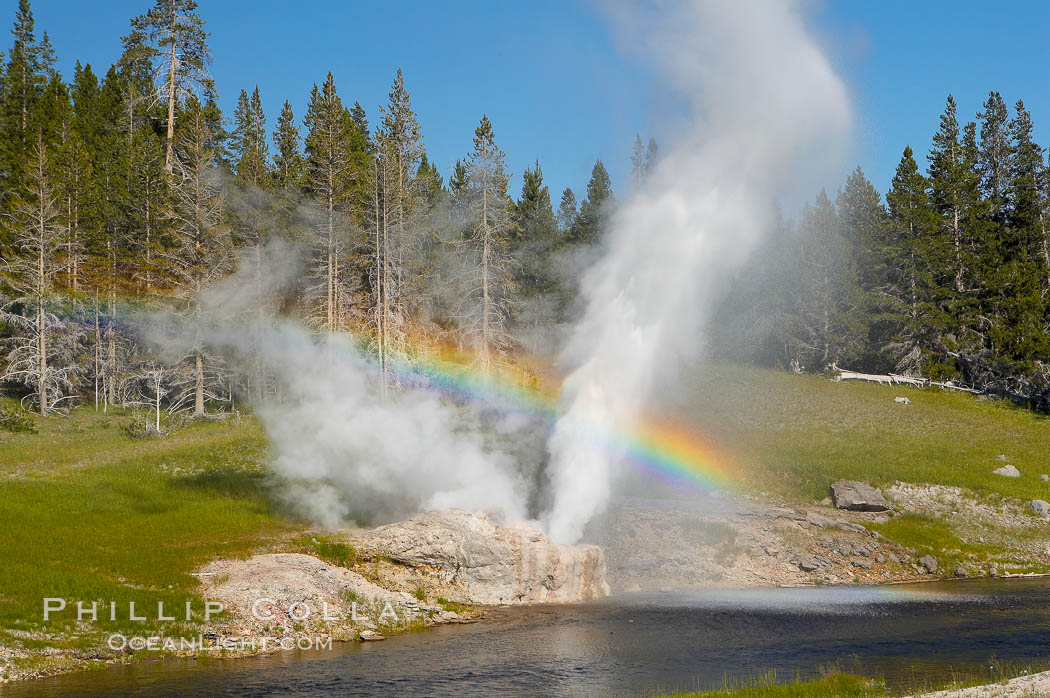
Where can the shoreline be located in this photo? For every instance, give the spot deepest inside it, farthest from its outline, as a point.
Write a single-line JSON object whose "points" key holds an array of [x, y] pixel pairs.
{"points": [[477, 614]]}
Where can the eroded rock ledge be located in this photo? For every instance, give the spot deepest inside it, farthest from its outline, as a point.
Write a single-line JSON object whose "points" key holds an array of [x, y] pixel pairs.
{"points": [[493, 562]]}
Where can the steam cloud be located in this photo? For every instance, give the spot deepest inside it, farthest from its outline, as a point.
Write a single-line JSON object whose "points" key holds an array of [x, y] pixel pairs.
{"points": [[342, 450], [766, 108]]}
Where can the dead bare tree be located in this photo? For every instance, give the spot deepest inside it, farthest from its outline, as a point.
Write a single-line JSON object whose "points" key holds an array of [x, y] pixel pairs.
{"points": [[200, 254], [147, 385], [42, 350]]}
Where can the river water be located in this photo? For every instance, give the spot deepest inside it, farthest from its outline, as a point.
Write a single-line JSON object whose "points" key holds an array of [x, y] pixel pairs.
{"points": [[634, 644]]}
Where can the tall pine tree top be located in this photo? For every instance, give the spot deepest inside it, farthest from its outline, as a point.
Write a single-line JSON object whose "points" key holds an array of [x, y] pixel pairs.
{"points": [[595, 211]]}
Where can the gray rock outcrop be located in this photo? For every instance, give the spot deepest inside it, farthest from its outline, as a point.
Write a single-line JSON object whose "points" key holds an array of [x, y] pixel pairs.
{"points": [[858, 496], [1007, 471], [1040, 508], [494, 563], [929, 562]]}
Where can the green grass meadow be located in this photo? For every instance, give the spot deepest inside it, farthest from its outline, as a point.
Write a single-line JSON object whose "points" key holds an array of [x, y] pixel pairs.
{"points": [[88, 512], [795, 435]]}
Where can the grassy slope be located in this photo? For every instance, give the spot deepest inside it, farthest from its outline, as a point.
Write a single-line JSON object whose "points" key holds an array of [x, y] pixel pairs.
{"points": [[90, 513], [795, 435]]}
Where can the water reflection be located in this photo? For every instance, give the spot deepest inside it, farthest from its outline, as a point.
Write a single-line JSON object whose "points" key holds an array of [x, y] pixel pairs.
{"points": [[632, 644]]}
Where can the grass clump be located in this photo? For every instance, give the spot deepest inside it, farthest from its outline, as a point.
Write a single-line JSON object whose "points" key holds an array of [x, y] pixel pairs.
{"points": [[15, 420], [453, 606], [766, 686], [334, 552]]}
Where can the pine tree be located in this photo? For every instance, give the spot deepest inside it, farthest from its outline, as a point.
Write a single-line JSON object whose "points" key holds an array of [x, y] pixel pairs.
{"points": [[637, 161], [568, 214], [1024, 190], [76, 191], [288, 158], [870, 255], [248, 144], [327, 172], [430, 181], [915, 259], [953, 190], [821, 335], [490, 284], [536, 234], [993, 157], [652, 156], [400, 146], [593, 222], [146, 215], [1019, 283], [24, 86], [174, 41]]}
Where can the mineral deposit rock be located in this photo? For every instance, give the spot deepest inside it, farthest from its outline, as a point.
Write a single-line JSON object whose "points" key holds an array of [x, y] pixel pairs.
{"points": [[494, 563]]}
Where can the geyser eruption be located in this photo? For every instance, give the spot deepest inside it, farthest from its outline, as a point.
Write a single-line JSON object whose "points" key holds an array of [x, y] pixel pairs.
{"points": [[767, 108]]}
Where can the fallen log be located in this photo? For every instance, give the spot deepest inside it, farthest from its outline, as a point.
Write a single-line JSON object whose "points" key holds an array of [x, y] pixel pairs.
{"points": [[841, 374]]}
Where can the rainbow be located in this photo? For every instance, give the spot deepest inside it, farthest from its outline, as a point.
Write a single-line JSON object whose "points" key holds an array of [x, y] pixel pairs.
{"points": [[661, 450]]}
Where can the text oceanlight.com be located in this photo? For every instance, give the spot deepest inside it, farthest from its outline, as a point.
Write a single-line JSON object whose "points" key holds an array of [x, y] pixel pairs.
{"points": [[200, 643]]}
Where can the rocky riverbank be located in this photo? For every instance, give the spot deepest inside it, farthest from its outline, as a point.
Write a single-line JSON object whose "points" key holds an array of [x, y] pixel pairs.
{"points": [[715, 541], [435, 568], [1032, 686]]}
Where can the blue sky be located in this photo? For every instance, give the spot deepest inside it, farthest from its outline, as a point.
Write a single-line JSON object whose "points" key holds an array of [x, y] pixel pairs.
{"points": [[553, 82]]}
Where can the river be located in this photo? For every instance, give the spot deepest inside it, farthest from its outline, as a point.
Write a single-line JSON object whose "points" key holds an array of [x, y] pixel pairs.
{"points": [[634, 644]]}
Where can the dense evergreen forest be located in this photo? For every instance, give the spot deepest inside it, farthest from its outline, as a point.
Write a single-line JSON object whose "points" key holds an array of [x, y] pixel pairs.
{"points": [[130, 190], [947, 279]]}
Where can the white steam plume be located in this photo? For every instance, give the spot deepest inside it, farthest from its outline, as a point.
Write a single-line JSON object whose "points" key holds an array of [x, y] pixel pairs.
{"points": [[343, 450], [767, 109]]}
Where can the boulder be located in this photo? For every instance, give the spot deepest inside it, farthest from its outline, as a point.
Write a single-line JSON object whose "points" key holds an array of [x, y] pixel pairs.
{"points": [[1044, 477], [1007, 471], [929, 562], [494, 563], [961, 572], [1040, 508], [858, 496]]}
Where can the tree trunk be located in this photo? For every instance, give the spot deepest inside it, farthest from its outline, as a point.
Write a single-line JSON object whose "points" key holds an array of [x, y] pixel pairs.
{"points": [[484, 281], [198, 389], [42, 365], [98, 353], [40, 319], [111, 371], [379, 289], [157, 395], [149, 234], [169, 153], [331, 251]]}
